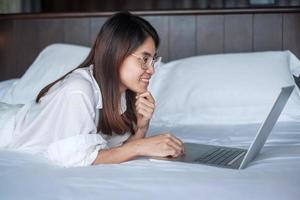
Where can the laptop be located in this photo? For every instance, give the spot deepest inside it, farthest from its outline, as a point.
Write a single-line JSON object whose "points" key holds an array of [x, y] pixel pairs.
{"points": [[234, 158]]}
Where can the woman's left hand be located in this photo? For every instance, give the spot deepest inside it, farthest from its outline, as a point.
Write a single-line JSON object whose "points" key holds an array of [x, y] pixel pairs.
{"points": [[145, 105]]}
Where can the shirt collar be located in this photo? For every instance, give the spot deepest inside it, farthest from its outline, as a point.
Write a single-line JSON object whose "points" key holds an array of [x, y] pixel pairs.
{"points": [[96, 88], [123, 103]]}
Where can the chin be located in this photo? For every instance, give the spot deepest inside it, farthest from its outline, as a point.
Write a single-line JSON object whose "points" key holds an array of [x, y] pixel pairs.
{"points": [[138, 90], [141, 89]]}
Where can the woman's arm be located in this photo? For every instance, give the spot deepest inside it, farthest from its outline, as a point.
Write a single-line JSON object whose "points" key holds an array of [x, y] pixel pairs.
{"points": [[139, 134], [116, 154], [159, 145], [137, 145], [145, 108], [122, 153]]}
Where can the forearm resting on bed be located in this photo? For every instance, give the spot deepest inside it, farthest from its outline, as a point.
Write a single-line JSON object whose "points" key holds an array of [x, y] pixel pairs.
{"points": [[161, 145], [119, 154], [127, 151]]}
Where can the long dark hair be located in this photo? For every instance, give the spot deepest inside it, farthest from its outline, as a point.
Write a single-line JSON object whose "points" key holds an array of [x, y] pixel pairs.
{"points": [[120, 36]]}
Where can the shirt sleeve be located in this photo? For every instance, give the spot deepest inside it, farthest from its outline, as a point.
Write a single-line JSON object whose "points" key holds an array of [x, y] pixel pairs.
{"points": [[75, 151], [76, 140]]}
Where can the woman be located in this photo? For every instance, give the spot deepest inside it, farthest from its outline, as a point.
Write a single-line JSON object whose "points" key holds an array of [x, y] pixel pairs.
{"points": [[100, 111]]}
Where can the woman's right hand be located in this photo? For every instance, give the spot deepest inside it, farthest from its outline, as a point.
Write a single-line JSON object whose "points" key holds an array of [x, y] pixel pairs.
{"points": [[162, 145], [159, 145]]}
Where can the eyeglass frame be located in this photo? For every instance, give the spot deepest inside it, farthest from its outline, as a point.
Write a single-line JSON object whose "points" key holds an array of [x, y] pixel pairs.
{"points": [[146, 66]]}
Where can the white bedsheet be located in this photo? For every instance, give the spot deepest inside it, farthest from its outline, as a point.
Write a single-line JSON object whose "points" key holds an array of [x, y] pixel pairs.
{"points": [[275, 174]]}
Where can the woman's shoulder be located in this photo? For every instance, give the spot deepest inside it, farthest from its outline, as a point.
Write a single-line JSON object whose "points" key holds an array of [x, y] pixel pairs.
{"points": [[82, 81], [78, 81]]}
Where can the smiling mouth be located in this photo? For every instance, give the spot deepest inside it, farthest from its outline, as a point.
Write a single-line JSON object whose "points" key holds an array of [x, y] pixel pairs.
{"points": [[145, 80]]}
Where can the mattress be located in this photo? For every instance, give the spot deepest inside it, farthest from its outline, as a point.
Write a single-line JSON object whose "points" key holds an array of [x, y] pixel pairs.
{"points": [[274, 174]]}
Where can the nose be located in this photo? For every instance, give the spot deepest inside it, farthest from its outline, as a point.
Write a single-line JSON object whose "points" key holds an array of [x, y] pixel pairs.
{"points": [[150, 69]]}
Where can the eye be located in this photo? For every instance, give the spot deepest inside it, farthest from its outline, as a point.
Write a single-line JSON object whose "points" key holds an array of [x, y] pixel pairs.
{"points": [[145, 59]]}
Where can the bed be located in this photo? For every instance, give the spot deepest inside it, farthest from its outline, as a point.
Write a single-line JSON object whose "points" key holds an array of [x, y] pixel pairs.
{"points": [[218, 98], [273, 175]]}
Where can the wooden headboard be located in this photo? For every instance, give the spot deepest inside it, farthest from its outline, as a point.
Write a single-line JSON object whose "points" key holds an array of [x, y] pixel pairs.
{"points": [[183, 33]]}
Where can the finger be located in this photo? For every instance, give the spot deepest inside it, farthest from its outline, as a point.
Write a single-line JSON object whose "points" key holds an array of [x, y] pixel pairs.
{"points": [[147, 95], [144, 113], [179, 143], [176, 148], [175, 139], [145, 104], [143, 94], [172, 141], [145, 101], [146, 107], [142, 104], [149, 111]]}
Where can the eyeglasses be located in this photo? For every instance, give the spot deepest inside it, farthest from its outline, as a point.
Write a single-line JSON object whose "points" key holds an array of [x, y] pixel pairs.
{"points": [[147, 61]]}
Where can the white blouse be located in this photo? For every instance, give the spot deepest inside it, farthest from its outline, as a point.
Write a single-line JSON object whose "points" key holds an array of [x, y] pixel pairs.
{"points": [[63, 126]]}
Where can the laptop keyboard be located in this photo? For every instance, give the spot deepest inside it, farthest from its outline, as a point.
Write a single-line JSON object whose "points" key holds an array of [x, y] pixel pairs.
{"points": [[221, 156]]}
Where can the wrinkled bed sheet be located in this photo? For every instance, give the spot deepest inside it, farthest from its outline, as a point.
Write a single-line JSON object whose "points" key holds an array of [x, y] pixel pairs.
{"points": [[274, 174]]}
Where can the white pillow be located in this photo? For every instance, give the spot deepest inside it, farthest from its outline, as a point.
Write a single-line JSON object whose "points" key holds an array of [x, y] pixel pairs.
{"points": [[5, 85], [224, 88], [52, 63]]}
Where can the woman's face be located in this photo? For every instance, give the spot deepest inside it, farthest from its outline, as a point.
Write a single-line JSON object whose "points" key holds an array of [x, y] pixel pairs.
{"points": [[134, 75]]}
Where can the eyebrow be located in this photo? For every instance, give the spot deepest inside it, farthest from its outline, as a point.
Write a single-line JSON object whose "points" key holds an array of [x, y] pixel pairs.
{"points": [[148, 54]]}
